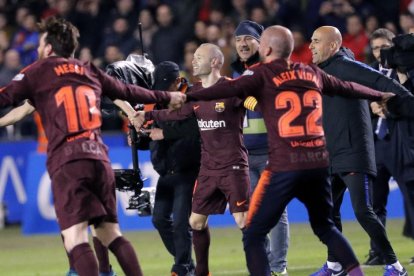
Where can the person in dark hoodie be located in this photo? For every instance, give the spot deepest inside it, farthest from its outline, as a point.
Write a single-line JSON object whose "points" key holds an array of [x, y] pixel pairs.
{"points": [[175, 155], [350, 142], [247, 38]]}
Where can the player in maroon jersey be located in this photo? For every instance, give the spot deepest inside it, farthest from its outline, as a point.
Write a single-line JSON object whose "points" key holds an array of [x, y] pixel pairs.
{"points": [[67, 93], [223, 176], [289, 95]]}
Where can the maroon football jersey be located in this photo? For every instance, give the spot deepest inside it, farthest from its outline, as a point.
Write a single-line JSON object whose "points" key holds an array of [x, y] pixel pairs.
{"points": [[289, 96], [221, 130], [67, 94]]}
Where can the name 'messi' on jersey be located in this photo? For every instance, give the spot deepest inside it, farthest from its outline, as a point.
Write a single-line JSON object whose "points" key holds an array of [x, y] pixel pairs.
{"points": [[210, 124]]}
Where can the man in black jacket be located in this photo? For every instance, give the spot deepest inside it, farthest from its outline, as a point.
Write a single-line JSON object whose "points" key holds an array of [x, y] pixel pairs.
{"points": [[350, 142], [175, 155]]}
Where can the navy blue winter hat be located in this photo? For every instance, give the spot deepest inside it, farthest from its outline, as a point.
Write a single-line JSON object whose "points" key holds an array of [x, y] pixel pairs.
{"points": [[247, 27]]}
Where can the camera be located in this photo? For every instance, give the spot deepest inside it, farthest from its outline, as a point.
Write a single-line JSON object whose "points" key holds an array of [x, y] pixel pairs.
{"points": [[401, 55]]}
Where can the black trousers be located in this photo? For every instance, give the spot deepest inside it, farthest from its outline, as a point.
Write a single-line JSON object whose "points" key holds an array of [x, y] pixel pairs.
{"points": [[171, 214], [360, 190], [380, 187]]}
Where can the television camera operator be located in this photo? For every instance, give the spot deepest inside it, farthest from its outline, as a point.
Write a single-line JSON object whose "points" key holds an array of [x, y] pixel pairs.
{"points": [[401, 128]]}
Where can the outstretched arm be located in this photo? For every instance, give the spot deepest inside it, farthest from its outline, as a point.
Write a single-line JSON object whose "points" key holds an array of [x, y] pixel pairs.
{"points": [[17, 114]]}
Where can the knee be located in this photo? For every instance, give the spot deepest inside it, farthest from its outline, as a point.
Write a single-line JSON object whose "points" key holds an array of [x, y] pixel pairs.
{"points": [[197, 224], [240, 219]]}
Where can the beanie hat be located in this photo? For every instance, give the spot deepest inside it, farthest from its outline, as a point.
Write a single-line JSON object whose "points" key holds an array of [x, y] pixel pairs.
{"points": [[247, 27], [165, 74]]}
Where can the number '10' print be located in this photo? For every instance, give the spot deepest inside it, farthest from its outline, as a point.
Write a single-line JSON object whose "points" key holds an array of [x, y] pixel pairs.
{"points": [[83, 100], [310, 98]]}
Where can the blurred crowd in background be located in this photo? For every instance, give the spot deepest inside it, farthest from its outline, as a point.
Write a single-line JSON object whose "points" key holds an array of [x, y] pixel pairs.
{"points": [[173, 29]]}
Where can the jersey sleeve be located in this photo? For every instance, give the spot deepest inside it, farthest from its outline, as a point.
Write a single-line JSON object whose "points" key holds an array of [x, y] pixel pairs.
{"points": [[16, 91], [116, 89], [186, 111], [333, 86], [241, 87]]}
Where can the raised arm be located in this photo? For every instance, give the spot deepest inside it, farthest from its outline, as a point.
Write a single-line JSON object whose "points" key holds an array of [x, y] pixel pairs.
{"points": [[17, 114]]}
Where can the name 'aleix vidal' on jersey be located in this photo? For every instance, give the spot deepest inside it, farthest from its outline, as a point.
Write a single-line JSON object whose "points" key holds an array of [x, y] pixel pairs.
{"points": [[210, 124]]}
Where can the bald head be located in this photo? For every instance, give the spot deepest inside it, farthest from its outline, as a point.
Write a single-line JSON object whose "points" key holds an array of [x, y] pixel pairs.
{"points": [[326, 41], [276, 42]]}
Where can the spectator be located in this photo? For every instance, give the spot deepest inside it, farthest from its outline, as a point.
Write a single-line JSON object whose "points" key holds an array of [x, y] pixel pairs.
{"points": [[11, 66], [26, 39], [355, 37], [119, 35], [149, 28], [301, 51]]}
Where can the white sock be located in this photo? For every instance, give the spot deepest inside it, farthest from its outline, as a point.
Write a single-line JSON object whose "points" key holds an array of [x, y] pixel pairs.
{"points": [[398, 266], [334, 266]]}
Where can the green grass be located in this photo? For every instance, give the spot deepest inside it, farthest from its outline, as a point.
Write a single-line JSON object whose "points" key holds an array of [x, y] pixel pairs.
{"points": [[44, 254]]}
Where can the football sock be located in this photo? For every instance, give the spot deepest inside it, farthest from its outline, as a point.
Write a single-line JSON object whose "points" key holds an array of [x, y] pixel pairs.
{"points": [[201, 242], [398, 266], [126, 256], [101, 252], [71, 266], [334, 266], [84, 260]]}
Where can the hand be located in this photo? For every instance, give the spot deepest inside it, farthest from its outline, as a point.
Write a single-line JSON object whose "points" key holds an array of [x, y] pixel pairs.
{"points": [[386, 96], [155, 133], [137, 119], [378, 109], [177, 100]]}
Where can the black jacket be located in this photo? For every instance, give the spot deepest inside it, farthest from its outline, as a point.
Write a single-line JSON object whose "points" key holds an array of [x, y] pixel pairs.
{"points": [[179, 151], [346, 121]]}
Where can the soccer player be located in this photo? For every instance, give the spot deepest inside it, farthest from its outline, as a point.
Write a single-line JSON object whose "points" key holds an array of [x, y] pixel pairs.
{"points": [[66, 93], [246, 39], [350, 143], [223, 176], [290, 98]]}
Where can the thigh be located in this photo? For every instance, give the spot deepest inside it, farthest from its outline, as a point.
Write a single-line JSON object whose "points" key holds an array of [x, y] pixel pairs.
{"points": [[84, 190], [360, 190], [164, 197], [270, 198], [207, 197], [236, 188], [183, 193], [314, 191]]}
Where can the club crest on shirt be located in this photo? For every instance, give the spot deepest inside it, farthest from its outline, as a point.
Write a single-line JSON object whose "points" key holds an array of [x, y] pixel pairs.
{"points": [[219, 107]]}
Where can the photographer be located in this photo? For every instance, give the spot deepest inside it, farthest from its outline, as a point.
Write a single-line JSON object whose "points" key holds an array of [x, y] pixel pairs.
{"points": [[175, 155]]}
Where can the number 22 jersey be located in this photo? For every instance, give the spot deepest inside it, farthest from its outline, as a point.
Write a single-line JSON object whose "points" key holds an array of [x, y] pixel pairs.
{"points": [[290, 99]]}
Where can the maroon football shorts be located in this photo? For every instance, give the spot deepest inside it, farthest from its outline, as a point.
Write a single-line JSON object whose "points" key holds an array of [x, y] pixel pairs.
{"points": [[212, 193], [84, 190]]}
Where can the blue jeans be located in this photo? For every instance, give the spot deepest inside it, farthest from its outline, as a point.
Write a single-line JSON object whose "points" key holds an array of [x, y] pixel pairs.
{"points": [[277, 243]]}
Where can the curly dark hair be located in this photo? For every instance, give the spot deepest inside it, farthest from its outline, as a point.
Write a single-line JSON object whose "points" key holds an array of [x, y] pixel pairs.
{"points": [[61, 34]]}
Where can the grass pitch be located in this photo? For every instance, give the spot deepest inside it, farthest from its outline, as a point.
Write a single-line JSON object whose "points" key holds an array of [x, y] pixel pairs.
{"points": [[44, 255]]}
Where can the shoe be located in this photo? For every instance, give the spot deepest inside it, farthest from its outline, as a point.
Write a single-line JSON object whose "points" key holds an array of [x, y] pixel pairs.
{"points": [[325, 271], [283, 273], [71, 272], [411, 261], [374, 259], [392, 271], [110, 273]]}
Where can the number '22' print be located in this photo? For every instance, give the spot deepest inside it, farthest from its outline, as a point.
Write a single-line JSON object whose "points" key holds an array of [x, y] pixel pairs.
{"points": [[310, 97]]}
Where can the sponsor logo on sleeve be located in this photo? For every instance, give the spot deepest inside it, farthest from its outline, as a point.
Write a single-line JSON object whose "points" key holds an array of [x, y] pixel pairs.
{"points": [[18, 77], [247, 73]]}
